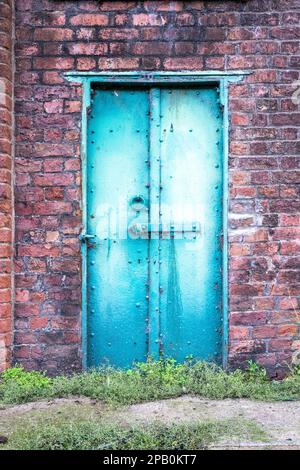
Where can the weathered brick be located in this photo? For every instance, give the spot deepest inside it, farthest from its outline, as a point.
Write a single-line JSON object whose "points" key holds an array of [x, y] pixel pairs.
{"points": [[118, 63], [53, 34], [38, 250], [86, 19], [61, 63], [53, 208], [149, 19], [84, 63], [55, 106], [81, 48], [54, 179], [111, 34], [266, 331], [177, 63]]}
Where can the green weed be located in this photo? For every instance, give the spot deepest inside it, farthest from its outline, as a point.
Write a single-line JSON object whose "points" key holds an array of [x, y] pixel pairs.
{"points": [[18, 386], [148, 381], [86, 435]]}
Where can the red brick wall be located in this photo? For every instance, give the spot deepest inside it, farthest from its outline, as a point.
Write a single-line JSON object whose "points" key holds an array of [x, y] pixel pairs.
{"points": [[257, 35], [6, 205]]}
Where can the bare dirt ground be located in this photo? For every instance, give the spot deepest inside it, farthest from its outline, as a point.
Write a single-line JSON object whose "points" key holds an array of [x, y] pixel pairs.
{"points": [[280, 421]]}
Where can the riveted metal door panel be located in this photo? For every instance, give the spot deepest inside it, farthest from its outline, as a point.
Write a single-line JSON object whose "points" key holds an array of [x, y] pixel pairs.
{"points": [[191, 203], [117, 264], [154, 185]]}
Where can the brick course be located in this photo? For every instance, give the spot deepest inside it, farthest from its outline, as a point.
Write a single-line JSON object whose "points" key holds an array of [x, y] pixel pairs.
{"points": [[52, 37]]}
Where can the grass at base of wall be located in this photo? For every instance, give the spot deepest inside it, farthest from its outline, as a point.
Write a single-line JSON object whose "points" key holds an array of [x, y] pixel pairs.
{"points": [[149, 381], [95, 435]]}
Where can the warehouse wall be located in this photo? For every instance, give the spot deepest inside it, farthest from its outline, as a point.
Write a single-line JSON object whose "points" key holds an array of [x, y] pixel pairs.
{"points": [[52, 37]]}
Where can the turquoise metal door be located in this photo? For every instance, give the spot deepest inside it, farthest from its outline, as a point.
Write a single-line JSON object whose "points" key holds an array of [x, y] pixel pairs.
{"points": [[154, 225]]}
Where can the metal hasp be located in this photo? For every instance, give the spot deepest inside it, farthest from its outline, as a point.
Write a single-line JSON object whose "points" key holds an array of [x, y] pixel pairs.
{"points": [[84, 237], [154, 160], [144, 230]]}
